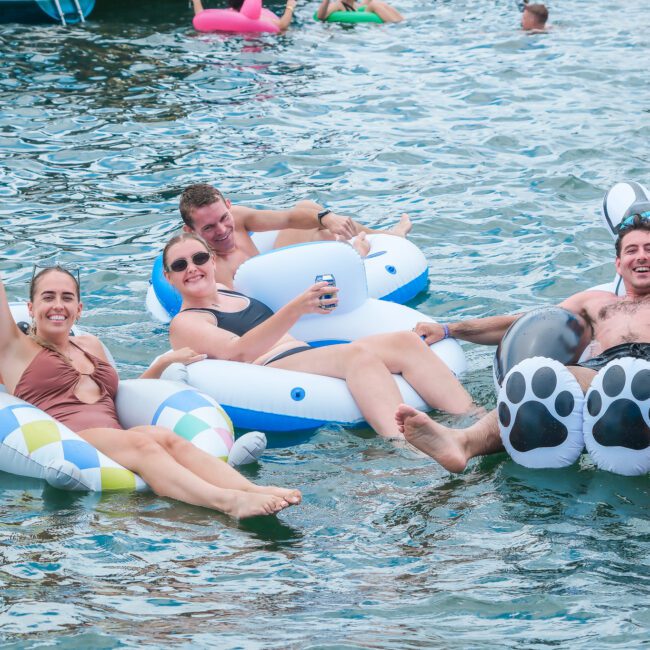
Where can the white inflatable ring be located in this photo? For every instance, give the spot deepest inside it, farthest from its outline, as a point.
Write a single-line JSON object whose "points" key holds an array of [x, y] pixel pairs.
{"points": [[395, 271], [272, 399]]}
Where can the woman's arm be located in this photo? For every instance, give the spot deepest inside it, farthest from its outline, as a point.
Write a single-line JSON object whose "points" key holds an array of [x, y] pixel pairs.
{"points": [[197, 329], [285, 19], [159, 365], [10, 335]]}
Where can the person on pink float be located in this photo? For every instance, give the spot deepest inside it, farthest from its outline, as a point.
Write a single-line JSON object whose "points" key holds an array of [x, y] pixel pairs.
{"points": [[620, 326], [71, 379], [387, 13], [251, 9], [228, 325]]}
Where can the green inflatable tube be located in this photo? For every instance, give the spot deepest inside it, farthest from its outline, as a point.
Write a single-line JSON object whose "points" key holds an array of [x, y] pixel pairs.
{"points": [[358, 16]]}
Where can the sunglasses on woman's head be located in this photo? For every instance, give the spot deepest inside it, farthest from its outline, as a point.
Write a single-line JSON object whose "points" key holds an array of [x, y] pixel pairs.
{"points": [[198, 259], [72, 270]]}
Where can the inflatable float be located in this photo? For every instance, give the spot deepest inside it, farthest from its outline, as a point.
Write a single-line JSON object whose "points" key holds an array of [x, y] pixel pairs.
{"points": [[33, 444], [277, 400], [621, 201], [396, 271], [251, 18], [544, 418], [360, 15]]}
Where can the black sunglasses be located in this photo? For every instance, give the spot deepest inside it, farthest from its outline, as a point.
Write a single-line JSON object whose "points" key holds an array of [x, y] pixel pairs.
{"points": [[198, 259]]}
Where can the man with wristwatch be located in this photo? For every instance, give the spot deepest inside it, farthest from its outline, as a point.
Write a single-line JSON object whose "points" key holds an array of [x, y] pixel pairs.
{"points": [[226, 227]]}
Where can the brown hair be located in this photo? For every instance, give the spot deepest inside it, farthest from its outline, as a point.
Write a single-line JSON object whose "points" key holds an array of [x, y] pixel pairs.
{"points": [[32, 293], [197, 196], [539, 11], [640, 223], [177, 239]]}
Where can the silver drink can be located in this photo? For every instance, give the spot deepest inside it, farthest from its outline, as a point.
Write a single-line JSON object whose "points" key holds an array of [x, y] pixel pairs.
{"points": [[329, 278]]}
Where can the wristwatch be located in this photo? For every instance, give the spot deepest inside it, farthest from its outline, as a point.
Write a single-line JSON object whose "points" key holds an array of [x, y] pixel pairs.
{"points": [[322, 214]]}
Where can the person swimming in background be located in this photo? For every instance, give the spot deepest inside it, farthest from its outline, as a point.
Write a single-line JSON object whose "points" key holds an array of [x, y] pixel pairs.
{"points": [[534, 17], [387, 13], [71, 379], [252, 10], [230, 326]]}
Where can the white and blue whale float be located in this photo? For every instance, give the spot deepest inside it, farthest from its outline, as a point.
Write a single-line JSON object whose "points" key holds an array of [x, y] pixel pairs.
{"points": [[396, 271], [277, 400]]}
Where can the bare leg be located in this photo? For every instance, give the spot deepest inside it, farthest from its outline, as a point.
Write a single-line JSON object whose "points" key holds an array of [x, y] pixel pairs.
{"points": [[370, 382], [197, 6], [402, 228], [166, 477], [211, 469], [361, 244], [387, 13], [584, 376], [367, 366], [407, 354], [452, 448]]}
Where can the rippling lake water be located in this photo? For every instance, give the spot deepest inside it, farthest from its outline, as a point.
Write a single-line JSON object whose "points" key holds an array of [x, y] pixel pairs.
{"points": [[500, 146]]}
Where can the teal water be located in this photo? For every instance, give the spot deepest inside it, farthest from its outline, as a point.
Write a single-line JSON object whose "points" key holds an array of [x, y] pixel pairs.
{"points": [[500, 146]]}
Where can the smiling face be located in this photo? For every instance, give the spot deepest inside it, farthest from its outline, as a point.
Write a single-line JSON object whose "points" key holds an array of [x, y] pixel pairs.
{"points": [[54, 304], [633, 263], [197, 278], [215, 223]]}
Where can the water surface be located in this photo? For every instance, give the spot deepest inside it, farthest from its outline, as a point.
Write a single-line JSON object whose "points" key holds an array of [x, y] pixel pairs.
{"points": [[500, 146]]}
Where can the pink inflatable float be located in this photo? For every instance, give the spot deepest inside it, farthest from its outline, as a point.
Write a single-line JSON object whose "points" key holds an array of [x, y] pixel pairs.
{"points": [[252, 17]]}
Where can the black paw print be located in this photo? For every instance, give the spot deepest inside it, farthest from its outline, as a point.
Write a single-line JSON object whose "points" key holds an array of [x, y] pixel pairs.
{"points": [[527, 422], [619, 420]]}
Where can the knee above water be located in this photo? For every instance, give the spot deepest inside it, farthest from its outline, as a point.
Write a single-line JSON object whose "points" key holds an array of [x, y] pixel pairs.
{"points": [[362, 358], [144, 444]]}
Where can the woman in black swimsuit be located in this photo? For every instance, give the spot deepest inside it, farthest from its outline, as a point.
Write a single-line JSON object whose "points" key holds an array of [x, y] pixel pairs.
{"points": [[387, 13], [228, 325]]}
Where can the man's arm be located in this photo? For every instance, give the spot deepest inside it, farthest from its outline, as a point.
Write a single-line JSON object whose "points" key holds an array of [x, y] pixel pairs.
{"points": [[303, 216], [486, 331]]}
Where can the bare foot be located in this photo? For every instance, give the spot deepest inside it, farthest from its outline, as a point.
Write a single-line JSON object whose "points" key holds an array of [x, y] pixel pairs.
{"points": [[403, 228], [250, 504], [435, 440], [361, 244], [292, 497]]}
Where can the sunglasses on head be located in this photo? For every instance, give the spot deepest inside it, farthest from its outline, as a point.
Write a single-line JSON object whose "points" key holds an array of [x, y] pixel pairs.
{"points": [[198, 259], [72, 270], [643, 217]]}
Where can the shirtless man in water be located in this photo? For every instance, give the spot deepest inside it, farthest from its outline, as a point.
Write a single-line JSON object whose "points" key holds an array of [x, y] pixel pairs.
{"points": [[620, 327], [226, 227]]}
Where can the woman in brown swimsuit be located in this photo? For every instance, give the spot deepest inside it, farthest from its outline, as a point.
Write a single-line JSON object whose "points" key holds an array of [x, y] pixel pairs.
{"points": [[73, 381], [227, 325]]}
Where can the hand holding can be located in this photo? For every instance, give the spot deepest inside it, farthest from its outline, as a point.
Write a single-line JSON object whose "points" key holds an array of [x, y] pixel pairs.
{"points": [[329, 278]]}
